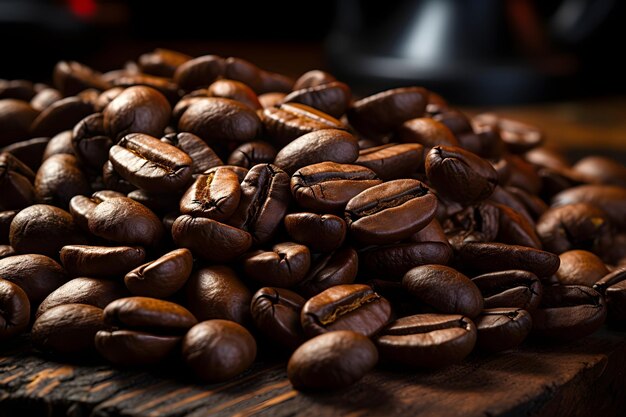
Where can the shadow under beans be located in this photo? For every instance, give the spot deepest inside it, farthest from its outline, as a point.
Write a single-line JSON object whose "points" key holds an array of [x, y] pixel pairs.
{"points": [[368, 394]]}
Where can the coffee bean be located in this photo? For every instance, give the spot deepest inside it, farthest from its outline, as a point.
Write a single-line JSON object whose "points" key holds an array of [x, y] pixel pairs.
{"points": [[161, 278], [215, 196], [321, 233], [59, 179], [250, 154], [284, 266], [16, 186], [331, 98], [312, 79], [276, 313], [29, 151], [332, 360], [37, 275], [15, 309], [518, 137], [502, 328], [476, 223], [202, 156], [426, 132], [393, 261], [199, 72], [335, 268], [271, 100], [392, 161], [134, 347], [61, 115], [142, 313], [580, 267], [16, 117], [72, 77], [234, 90], [162, 62], [241, 172], [81, 206], [515, 229], [114, 181], [602, 169], [512, 289]]}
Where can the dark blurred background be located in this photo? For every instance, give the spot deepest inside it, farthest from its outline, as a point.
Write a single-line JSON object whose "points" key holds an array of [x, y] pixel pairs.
{"points": [[479, 52]]}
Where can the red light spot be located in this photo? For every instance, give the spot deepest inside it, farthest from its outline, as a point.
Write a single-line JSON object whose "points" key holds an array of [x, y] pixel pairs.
{"points": [[83, 8]]}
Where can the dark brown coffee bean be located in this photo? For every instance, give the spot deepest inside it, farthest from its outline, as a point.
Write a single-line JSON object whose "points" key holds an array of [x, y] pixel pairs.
{"points": [[5, 224], [444, 289], [432, 232], [518, 137], [81, 206], [90, 291], [215, 292], [392, 161], [272, 99], [327, 145], [227, 242], [320, 232], [332, 360], [218, 350], [272, 81], [219, 119], [608, 197], [165, 86], [313, 78], [59, 179], [613, 287], [16, 117], [284, 266], [29, 151], [328, 186], [157, 202], [15, 309], [393, 261], [138, 109], [427, 340], [162, 62], [215, 196], [502, 328], [100, 261], [234, 90], [484, 141], [331, 98], [580, 267], [16, 188], [568, 312], [61, 115], [114, 181], [456, 121], [245, 71], [43, 229], [145, 313], [106, 97], [68, 329], [18, 89], [37, 275], [335, 268], [162, 277], [504, 196], [477, 223], [602, 169], [90, 142], [264, 200], [199, 72], [135, 348], [515, 229], [490, 257], [72, 77], [533, 204], [250, 154], [353, 307], [522, 174], [276, 313], [390, 211], [385, 111], [460, 175], [510, 289], [125, 221], [241, 172], [201, 154], [425, 131], [6, 251]]}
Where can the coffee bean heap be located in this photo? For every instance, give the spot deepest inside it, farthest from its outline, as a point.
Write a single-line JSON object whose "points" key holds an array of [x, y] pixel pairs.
{"points": [[194, 209]]}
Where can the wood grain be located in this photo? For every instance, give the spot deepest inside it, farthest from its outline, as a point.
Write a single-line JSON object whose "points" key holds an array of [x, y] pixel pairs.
{"points": [[583, 378]]}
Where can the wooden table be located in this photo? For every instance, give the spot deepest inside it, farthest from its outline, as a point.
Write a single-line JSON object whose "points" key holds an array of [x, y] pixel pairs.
{"points": [[584, 378]]}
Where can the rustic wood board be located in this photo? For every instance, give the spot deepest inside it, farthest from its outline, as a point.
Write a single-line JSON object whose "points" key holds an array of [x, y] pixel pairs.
{"points": [[586, 377]]}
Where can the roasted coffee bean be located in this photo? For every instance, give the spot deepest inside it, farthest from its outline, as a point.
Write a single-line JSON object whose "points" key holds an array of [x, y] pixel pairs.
{"points": [[165, 86], [43, 229], [202, 156], [269, 100], [385, 111], [335, 268], [276, 313], [284, 266], [353, 307], [150, 164], [227, 242], [320, 232], [427, 340], [327, 145], [15, 309], [477, 223], [289, 121], [234, 90], [522, 174], [331, 98], [30, 151], [90, 142], [157, 202], [609, 198], [145, 313], [37, 275], [518, 137], [244, 71], [460, 175], [100, 261], [328, 186], [490, 257], [81, 206], [390, 211], [138, 109], [393, 261], [580, 267], [59, 143], [6, 251], [114, 181], [90, 291], [457, 122], [218, 350], [18, 89], [484, 141], [510, 289], [162, 277], [313, 78], [602, 169], [533, 204], [125, 221], [61, 115], [392, 161], [215, 196], [505, 197], [16, 189], [199, 72], [575, 226], [425, 131], [72, 77], [106, 97], [502, 328], [16, 117], [59, 179], [432, 232], [218, 119], [162, 62], [5, 224], [133, 347], [241, 172], [613, 287], [444, 289], [68, 329], [332, 360], [515, 229], [568, 312], [216, 292], [250, 154], [264, 200]]}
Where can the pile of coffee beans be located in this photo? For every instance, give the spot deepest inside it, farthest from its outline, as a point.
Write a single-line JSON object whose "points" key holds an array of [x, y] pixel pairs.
{"points": [[202, 209]]}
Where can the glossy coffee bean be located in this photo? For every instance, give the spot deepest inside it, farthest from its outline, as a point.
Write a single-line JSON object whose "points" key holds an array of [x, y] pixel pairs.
{"points": [[37, 275], [602, 169], [241, 172], [335, 268], [29, 151], [202, 156], [271, 100], [114, 181], [476, 223], [331, 98], [199, 72], [218, 350], [289, 121], [285, 265], [427, 340], [515, 229], [6, 251], [59, 179], [609, 198], [135, 347], [519, 137], [68, 329], [162, 277], [90, 142], [234, 90], [162, 62], [16, 117], [510, 289], [320, 232], [216, 292], [16, 188], [100, 261], [580, 267], [353, 307], [394, 260], [444, 289], [390, 211], [61, 115], [137, 109], [72, 77], [427, 132], [392, 161], [159, 203], [15, 309], [313, 78], [502, 328], [137, 313], [250, 154], [331, 361], [432, 232], [81, 206], [276, 313], [215, 196], [613, 287]]}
